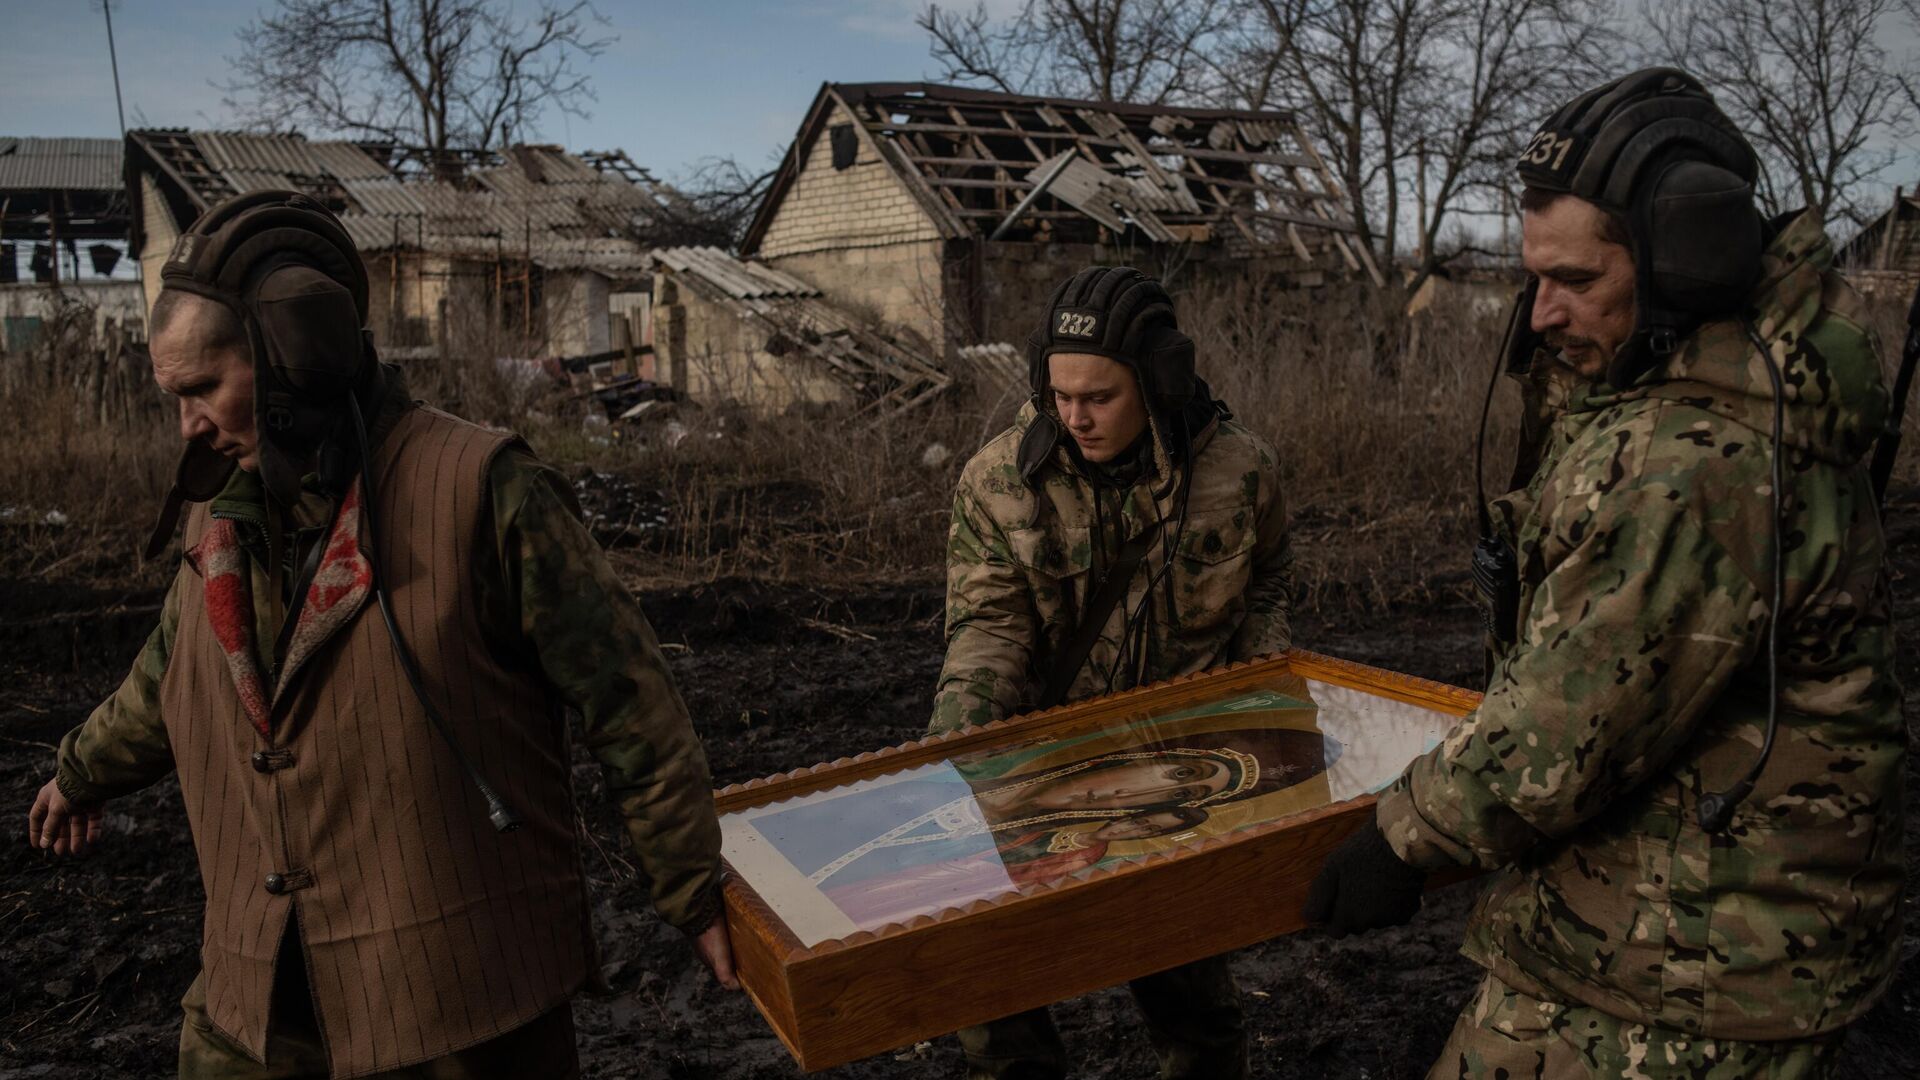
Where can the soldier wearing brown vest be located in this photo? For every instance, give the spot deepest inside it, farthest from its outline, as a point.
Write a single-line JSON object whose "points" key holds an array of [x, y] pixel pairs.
{"points": [[360, 674]]}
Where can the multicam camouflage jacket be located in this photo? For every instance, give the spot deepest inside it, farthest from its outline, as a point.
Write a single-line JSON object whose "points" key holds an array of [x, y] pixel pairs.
{"points": [[1638, 683], [1022, 560], [547, 596]]}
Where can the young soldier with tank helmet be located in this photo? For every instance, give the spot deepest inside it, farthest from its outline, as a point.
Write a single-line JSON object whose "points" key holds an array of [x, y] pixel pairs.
{"points": [[359, 675], [1686, 772], [1123, 530]]}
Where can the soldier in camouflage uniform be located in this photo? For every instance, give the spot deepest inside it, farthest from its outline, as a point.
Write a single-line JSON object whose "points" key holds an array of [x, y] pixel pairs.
{"points": [[1038, 519], [544, 599], [1627, 931]]}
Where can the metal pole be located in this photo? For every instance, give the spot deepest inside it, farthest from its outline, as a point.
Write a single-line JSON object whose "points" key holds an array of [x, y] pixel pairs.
{"points": [[106, 8], [1420, 199]]}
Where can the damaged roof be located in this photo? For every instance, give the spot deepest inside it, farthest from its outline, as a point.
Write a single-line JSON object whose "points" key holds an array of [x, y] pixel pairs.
{"points": [[990, 165], [28, 163], [739, 279], [560, 210], [888, 372]]}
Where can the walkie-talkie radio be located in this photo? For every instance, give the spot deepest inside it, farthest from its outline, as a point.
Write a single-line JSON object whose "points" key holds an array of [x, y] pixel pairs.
{"points": [[1495, 567]]}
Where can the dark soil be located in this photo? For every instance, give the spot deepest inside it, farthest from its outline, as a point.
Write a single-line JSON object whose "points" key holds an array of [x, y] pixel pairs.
{"points": [[94, 954]]}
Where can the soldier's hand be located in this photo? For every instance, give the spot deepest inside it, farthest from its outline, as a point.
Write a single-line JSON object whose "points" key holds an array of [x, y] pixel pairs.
{"points": [[1365, 886], [715, 949], [57, 825]]}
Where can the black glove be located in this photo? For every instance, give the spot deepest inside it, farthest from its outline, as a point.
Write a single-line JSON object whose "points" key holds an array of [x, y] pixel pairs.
{"points": [[1364, 885]]}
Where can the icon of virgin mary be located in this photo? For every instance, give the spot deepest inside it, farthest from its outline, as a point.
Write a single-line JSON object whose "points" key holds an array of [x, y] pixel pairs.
{"points": [[957, 831]]}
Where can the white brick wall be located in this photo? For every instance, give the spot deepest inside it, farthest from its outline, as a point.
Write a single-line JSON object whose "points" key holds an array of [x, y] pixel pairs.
{"points": [[864, 205]]}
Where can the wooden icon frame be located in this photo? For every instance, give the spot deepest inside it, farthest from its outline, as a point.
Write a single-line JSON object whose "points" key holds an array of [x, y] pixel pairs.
{"points": [[852, 996]]}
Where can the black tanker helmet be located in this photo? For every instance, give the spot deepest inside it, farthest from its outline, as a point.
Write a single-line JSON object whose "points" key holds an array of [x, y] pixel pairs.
{"points": [[1654, 149], [286, 268], [1120, 313]]}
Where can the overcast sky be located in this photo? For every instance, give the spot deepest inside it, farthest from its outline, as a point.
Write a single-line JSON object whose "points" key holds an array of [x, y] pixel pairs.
{"points": [[686, 80]]}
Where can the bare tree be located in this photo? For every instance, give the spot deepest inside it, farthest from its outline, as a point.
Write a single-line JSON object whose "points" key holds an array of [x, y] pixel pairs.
{"points": [[1509, 64], [712, 207], [1811, 83], [1421, 103], [1105, 50], [430, 73], [1360, 71]]}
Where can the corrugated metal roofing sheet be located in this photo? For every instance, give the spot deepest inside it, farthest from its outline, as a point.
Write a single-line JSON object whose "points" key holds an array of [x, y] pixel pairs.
{"points": [[577, 185], [738, 278], [285, 155], [554, 167], [387, 197], [1097, 193], [572, 217], [28, 163], [372, 234]]}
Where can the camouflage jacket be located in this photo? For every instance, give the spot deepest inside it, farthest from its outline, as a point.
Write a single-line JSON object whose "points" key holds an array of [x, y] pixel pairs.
{"points": [[546, 594], [1638, 683], [1022, 560]]}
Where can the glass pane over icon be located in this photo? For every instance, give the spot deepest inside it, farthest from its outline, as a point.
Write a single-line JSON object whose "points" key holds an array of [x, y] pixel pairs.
{"points": [[1031, 812]]}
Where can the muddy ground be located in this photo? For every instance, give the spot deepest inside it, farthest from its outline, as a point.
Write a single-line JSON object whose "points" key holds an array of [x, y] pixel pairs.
{"points": [[94, 954]]}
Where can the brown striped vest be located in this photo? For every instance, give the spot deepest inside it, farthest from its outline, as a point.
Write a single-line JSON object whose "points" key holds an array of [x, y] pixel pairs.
{"points": [[425, 930]]}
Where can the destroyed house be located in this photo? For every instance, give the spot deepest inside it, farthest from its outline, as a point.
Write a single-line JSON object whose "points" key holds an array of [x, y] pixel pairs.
{"points": [[63, 236], [525, 251], [951, 213]]}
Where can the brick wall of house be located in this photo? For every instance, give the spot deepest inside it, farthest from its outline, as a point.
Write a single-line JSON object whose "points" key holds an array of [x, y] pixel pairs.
{"points": [[864, 205], [896, 284]]}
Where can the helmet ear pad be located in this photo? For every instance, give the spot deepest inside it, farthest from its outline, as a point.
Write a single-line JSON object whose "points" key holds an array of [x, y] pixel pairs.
{"points": [[1037, 373], [310, 329], [1166, 365], [1698, 241], [1703, 238]]}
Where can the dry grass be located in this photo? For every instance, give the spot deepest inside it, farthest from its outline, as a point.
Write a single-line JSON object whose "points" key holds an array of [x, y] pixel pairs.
{"points": [[86, 457], [1374, 425], [1376, 442]]}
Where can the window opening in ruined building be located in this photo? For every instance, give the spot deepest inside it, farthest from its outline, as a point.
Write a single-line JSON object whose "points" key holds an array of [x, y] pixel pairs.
{"points": [[845, 146]]}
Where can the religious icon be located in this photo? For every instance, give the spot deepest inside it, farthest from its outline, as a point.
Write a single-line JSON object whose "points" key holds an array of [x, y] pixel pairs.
{"points": [[978, 825], [867, 854]]}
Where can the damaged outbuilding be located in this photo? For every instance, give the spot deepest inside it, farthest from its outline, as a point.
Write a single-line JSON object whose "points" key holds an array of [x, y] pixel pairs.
{"points": [[529, 251]]}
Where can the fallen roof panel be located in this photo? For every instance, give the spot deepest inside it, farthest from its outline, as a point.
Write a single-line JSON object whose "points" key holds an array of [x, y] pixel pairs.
{"points": [[741, 279], [889, 372]]}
